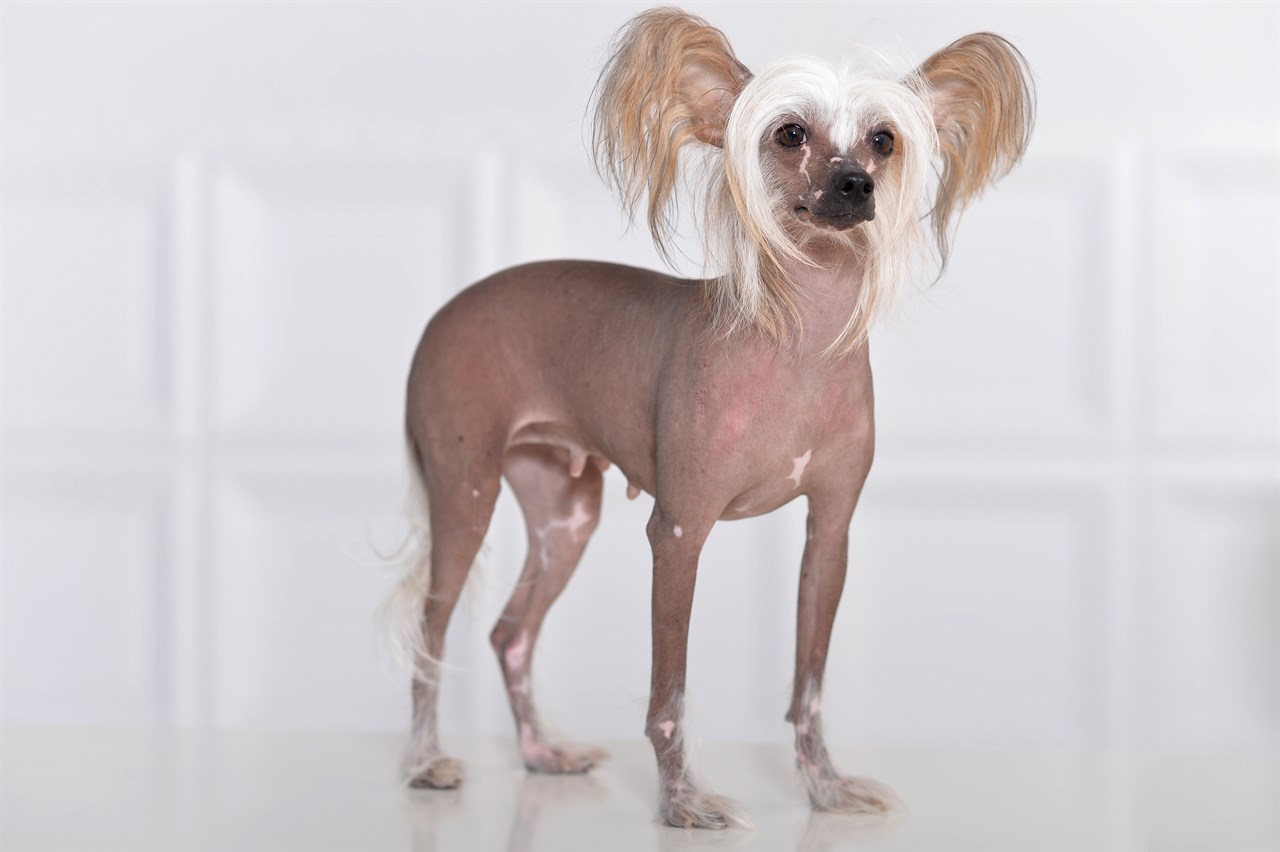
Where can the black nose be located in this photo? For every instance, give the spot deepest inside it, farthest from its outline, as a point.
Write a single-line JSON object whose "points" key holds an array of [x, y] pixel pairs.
{"points": [[853, 184]]}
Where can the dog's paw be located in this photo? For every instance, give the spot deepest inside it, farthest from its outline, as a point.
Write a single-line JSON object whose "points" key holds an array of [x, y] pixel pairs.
{"points": [[850, 795], [442, 773], [691, 809], [563, 760]]}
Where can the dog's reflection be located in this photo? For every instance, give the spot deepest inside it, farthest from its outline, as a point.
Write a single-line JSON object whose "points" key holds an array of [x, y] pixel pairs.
{"points": [[538, 794], [828, 831], [424, 811]]}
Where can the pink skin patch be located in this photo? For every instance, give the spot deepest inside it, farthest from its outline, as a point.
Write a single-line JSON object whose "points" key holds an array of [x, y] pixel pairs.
{"points": [[633, 491], [518, 653], [677, 531], [802, 728], [521, 687], [668, 728]]}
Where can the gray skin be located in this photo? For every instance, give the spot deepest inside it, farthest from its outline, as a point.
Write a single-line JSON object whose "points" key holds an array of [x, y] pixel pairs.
{"points": [[546, 373]]}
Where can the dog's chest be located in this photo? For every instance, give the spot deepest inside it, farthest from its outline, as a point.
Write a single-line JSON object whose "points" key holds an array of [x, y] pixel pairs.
{"points": [[777, 435]]}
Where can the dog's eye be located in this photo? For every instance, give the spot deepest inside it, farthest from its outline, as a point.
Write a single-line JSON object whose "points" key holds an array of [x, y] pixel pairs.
{"points": [[882, 143], [791, 136]]}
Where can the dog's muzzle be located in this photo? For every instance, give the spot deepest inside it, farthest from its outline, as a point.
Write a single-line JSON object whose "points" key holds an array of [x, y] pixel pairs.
{"points": [[848, 201]]}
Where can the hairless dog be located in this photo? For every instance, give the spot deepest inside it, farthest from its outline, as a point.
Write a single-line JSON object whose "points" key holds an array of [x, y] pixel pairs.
{"points": [[723, 397]]}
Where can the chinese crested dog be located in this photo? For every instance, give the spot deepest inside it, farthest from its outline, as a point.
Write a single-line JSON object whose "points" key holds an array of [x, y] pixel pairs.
{"points": [[723, 397]]}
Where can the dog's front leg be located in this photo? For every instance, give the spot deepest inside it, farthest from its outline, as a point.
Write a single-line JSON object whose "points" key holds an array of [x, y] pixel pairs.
{"points": [[822, 574], [676, 543]]}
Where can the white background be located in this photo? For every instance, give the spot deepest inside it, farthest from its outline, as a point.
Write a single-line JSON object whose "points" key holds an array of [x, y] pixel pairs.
{"points": [[225, 226]]}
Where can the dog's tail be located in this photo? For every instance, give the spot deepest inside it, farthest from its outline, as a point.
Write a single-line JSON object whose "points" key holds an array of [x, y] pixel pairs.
{"points": [[401, 618]]}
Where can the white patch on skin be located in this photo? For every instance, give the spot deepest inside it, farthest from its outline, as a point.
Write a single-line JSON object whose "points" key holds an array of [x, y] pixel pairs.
{"points": [[475, 492], [574, 523], [676, 531], [817, 196], [800, 463], [519, 652], [802, 728], [521, 687], [836, 160], [668, 728], [815, 706], [633, 491], [804, 164]]}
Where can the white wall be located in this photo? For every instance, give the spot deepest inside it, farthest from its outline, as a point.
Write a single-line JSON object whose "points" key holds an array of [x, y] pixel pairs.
{"points": [[225, 225]]}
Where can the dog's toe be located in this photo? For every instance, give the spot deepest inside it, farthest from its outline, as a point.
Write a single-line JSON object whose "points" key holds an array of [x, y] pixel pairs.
{"points": [[442, 773], [563, 760], [702, 810], [852, 795]]}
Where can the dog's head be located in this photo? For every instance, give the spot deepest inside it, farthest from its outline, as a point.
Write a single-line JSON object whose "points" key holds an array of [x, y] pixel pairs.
{"points": [[804, 151]]}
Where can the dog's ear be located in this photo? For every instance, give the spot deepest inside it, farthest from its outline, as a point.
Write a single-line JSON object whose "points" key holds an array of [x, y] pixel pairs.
{"points": [[984, 106], [671, 79]]}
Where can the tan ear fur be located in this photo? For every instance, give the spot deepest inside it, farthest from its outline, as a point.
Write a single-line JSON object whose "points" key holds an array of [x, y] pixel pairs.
{"points": [[671, 79], [984, 107]]}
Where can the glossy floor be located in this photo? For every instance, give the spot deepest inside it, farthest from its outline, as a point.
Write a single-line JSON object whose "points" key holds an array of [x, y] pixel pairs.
{"points": [[82, 789]]}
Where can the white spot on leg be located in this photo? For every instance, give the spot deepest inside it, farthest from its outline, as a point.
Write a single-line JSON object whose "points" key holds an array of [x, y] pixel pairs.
{"points": [[799, 464], [633, 491], [802, 728], [815, 706], [668, 728], [677, 531], [518, 653], [475, 492]]}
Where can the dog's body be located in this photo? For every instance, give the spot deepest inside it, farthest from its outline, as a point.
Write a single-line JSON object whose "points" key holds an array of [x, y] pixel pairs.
{"points": [[723, 398]]}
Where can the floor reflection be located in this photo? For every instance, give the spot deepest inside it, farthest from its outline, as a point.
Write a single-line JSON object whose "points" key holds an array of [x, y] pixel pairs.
{"points": [[824, 832], [424, 811], [542, 793]]}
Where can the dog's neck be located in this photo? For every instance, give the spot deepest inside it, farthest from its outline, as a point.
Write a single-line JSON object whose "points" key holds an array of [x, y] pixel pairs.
{"points": [[828, 293]]}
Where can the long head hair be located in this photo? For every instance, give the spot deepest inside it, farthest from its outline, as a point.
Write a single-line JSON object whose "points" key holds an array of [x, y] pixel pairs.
{"points": [[672, 94]]}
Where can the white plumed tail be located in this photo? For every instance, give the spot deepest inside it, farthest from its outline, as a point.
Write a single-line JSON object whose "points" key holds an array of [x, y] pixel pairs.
{"points": [[401, 618]]}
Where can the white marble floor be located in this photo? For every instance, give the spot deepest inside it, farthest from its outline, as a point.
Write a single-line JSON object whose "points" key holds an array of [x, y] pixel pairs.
{"points": [[71, 788]]}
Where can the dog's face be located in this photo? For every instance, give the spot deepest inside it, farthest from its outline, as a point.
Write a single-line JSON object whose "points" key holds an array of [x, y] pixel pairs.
{"points": [[829, 148], [831, 185]]}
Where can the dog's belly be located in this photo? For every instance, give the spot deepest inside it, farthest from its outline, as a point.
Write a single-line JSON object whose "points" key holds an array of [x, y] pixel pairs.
{"points": [[577, 450]]}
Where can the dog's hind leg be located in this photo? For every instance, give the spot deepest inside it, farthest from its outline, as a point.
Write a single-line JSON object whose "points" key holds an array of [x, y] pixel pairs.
{"points": [[560, 512], [462, 485]]}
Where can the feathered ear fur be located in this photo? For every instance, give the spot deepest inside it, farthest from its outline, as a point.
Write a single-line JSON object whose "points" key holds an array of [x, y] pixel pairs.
{"points": [[671, 79], [984, 108]]}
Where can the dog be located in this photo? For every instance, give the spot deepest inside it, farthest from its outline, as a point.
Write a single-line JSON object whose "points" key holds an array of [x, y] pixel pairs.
{"points": [[723, 397]]}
